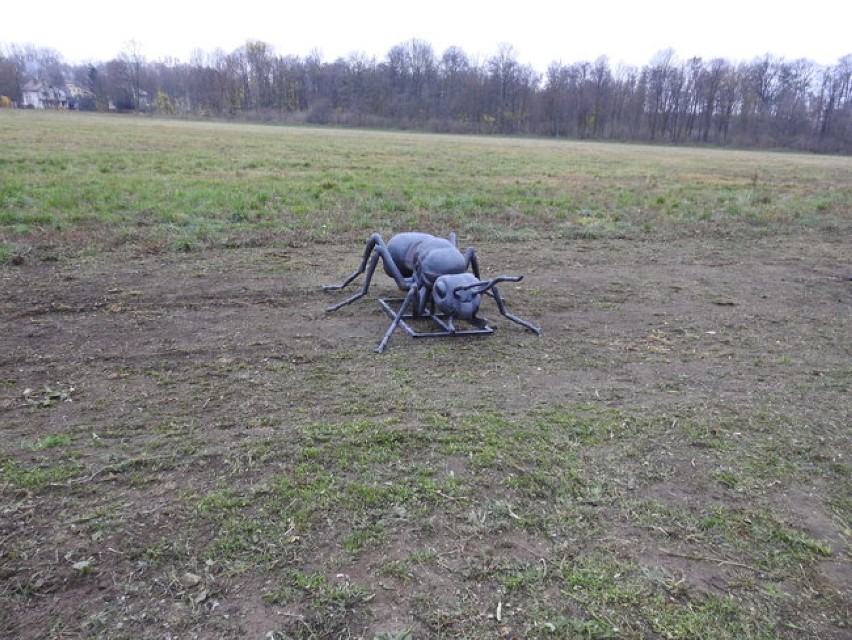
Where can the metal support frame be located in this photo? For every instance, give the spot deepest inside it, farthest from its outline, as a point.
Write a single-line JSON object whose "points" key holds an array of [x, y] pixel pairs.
{"points": [[439, 319]]}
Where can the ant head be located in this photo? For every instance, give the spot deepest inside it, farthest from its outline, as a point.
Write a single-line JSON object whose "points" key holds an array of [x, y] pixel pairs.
{"points": [[456, 296]]}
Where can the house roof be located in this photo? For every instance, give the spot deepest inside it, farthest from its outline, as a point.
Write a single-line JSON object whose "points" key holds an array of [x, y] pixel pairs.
{"points": [[76, 90], [49, 91]]}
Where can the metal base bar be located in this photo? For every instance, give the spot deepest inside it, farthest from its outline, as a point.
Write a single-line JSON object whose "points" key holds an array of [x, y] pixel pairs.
{"points": [[438, 319]]}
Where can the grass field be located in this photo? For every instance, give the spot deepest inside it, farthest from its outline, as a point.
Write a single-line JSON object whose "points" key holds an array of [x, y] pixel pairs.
{"points": [[93, 180], [192, 448]]}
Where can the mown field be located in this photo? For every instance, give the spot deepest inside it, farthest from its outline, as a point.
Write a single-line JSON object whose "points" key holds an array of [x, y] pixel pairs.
{"points": [[193, 448]]}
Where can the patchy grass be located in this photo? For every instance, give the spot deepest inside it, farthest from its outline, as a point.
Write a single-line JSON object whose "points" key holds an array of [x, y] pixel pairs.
{"points": [[91, 181], [192, 447]]}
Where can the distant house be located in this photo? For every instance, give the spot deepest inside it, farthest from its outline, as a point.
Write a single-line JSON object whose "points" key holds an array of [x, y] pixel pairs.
{"points": [[79, 97], [75, 91], [36, 94]]}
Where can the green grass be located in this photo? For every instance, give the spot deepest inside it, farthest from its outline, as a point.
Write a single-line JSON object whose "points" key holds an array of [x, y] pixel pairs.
{"points": [[48, 442], [39, 474], [375, 481], [101, 181]]}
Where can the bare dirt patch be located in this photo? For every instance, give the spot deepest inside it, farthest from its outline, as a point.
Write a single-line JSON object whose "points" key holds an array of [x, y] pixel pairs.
{"points": [[192, 447]]}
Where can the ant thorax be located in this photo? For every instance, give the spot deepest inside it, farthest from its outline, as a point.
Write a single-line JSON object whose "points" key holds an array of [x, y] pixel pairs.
{"points": [[438, 262]]}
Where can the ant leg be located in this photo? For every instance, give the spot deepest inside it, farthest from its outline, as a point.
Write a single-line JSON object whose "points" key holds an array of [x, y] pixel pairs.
{"points": [[502, 307], [372, 242], [370, 269], [424, 297], [377, 248], [471, 261], [412, 291]]}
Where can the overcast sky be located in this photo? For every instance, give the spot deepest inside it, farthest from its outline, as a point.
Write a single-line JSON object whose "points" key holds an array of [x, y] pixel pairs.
{"points": [[541, 31]]}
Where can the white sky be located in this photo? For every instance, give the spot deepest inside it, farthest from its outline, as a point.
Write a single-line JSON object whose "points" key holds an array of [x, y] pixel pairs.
{"points": [[541, 31]]}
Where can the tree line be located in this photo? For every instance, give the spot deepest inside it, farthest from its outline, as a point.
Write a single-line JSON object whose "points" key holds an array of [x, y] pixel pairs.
{"points": [[768, 102]]}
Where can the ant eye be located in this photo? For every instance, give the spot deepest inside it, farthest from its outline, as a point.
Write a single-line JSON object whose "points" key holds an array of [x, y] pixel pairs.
{"points": [[441, 288]]}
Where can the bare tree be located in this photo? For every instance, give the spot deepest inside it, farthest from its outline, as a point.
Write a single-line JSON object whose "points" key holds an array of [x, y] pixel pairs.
{"points": [[11, 76], [768, 101], [510, 84], [835, 106], [131, 63], [258, 60]]}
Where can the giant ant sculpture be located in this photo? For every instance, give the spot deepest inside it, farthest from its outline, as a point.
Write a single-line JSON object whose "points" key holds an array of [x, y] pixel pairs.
{"points": [[434, 273]]}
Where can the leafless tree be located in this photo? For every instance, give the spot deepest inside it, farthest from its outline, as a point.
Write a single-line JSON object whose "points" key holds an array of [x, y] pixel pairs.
{"points": [[131, 64], [767, 101]]}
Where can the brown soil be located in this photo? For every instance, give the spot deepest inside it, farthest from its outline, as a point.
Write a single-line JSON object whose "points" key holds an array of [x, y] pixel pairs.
{"points": [[233, 347]]}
